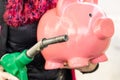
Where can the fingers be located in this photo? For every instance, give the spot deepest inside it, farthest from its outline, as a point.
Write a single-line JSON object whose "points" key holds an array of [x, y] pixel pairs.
{"points": [[7, 76], [88, 69]]}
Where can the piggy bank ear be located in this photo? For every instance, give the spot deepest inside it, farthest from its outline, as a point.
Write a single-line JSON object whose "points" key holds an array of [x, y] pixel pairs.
{"points": [[63, 3], [91, 1]]}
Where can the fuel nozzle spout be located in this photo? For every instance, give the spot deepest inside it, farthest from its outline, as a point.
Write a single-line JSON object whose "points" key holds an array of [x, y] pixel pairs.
{"points": [[44, 43]]}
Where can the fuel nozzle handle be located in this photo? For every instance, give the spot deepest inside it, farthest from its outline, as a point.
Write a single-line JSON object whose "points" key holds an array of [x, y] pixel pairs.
{"points": [[44, 43], [15, 63]]}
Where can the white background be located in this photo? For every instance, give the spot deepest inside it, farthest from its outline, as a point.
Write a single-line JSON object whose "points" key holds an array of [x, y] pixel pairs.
{"points": [[109, 70]]}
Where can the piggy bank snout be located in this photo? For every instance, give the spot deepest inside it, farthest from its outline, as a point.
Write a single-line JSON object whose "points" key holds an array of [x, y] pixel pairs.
{"points": [[104, 28]]}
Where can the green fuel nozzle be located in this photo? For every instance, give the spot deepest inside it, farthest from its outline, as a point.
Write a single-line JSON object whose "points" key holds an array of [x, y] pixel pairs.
{"points": [[15, 63]]}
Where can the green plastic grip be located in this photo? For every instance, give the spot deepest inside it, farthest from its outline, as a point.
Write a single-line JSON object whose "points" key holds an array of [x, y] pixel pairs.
{"points": [[15, 63]]}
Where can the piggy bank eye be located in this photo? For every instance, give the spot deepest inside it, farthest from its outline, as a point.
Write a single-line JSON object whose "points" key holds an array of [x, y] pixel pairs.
{"points": [[90, 14]]}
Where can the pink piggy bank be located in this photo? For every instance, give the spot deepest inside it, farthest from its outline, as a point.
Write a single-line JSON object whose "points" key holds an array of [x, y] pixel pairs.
{"points": [[88, 28]]}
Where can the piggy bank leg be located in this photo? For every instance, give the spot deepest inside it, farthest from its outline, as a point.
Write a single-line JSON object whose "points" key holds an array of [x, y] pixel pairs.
{"points": [[101, 58], [53, 65], [77, 62]]}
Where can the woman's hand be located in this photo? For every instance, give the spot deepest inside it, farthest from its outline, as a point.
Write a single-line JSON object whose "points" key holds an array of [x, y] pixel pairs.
{"points": [[86, 69], [5, 75]]}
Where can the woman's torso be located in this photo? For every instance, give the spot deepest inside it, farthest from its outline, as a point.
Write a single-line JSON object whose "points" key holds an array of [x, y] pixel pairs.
{"points": [[23, 37]]}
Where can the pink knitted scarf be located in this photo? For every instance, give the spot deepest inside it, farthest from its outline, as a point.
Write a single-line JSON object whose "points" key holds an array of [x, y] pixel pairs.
{"points": [[20, 12]]}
